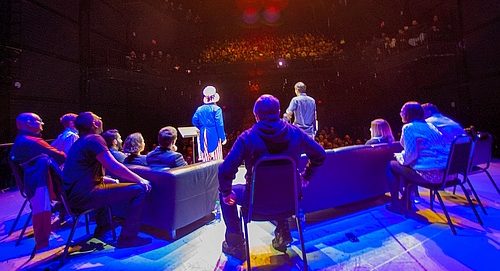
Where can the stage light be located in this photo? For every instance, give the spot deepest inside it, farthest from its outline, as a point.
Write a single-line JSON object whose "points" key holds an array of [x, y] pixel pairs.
{"points": [[280, 63], [271, 14], [250, 15]]}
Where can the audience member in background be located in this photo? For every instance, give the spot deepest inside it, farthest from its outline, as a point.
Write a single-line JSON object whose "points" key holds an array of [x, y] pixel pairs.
{"points": [[380, 132], [83, 181], [208, 119], [448, 127], [269, 135], [423, 158], [66, 139], [133, 146], [303, 108], [166, 155], [114, 142], [27, 146]]}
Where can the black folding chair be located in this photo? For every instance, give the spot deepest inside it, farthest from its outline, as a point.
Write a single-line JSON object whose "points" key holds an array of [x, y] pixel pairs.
{"points": [[18, 176], [75, 214], [61, 197], [481, 156], [458, 164], [274, 195]]}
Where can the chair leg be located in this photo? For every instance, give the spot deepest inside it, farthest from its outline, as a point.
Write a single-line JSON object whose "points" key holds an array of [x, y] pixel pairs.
{"points": [[70, 239], [432, 196], [492, 181], [454, 189], [475, 195], [87, 228], [110, 217], [302, 245], [17, 217], [24, 228], [471, 204], [445, 212], [247, 245], [33, 253]]}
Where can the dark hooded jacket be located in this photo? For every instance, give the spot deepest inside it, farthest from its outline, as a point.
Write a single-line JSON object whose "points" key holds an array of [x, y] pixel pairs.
{"points": [[268, 137]]}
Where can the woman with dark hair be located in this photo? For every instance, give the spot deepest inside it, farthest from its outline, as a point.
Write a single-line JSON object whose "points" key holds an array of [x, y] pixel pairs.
{"points": [[380, 132], [133, 146], [423, 158]]}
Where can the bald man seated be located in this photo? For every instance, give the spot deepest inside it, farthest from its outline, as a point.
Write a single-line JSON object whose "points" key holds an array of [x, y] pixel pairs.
{"points": [[28, 142], [29, 145]]}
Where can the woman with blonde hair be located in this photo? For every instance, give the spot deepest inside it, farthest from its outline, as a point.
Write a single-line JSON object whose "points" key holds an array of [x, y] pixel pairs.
{"points": [[380, 132], [133, 146]]}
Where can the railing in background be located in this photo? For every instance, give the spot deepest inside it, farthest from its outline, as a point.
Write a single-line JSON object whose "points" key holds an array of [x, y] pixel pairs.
{"points": [[6, 178]]}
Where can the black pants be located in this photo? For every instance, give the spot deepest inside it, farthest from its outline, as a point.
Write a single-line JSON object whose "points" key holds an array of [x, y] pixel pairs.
{"points": [[234, 235], [130, 195]]}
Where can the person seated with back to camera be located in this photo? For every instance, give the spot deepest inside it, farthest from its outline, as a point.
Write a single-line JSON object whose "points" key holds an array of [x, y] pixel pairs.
{"points": [[380, 132], [448, 127], [166, 155], [65, 140], [268, 136], [423, 158], [132, 147], [114, 142]]}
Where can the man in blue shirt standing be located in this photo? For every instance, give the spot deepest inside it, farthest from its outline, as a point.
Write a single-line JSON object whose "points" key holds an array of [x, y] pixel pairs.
{"points": [[303, 107]]}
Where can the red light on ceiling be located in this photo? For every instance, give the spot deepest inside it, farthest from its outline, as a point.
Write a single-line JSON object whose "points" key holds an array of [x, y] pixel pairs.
{"points": [[250, 15], [271, 14]]}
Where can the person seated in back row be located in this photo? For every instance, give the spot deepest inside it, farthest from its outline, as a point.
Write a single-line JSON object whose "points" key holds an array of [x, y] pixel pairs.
{"points": [[166, 155], [448, 127], [114, 142], [132, 147], [66, 139], [380, 132]]}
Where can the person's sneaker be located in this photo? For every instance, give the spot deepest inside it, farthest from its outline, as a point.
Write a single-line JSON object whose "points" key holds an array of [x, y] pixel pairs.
{"points": [[132, 242], [281, 241], [238, 252]]}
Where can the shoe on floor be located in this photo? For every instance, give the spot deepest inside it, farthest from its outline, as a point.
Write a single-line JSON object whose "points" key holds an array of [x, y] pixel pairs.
{"points": [[281, 241], [238, 251], [101, 231], [132, 242]]}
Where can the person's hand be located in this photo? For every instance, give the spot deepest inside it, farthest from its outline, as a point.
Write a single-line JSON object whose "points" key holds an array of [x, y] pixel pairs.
{"points": [[229, 199], [224, 142], [173, 148], [146, 184]]}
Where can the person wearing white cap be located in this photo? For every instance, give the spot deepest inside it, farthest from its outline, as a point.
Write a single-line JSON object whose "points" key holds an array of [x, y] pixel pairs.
{"points": [[208, 119]]}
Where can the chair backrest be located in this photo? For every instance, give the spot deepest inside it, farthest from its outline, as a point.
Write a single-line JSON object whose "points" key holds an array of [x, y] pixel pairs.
{"points": [[482, 151], [17, 171], [274, 189], [460, 157]]}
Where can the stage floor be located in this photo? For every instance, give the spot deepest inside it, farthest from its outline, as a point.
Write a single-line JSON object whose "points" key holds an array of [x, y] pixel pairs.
{"points": [[382, 241]]}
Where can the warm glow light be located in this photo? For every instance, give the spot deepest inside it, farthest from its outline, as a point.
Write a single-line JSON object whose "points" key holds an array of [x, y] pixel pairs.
{"points": [[272, 14], [250, 15]]}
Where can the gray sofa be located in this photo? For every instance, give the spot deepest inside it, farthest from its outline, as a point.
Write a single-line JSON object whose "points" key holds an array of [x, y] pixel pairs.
{"points": [[349, 174], [179, 196]]}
